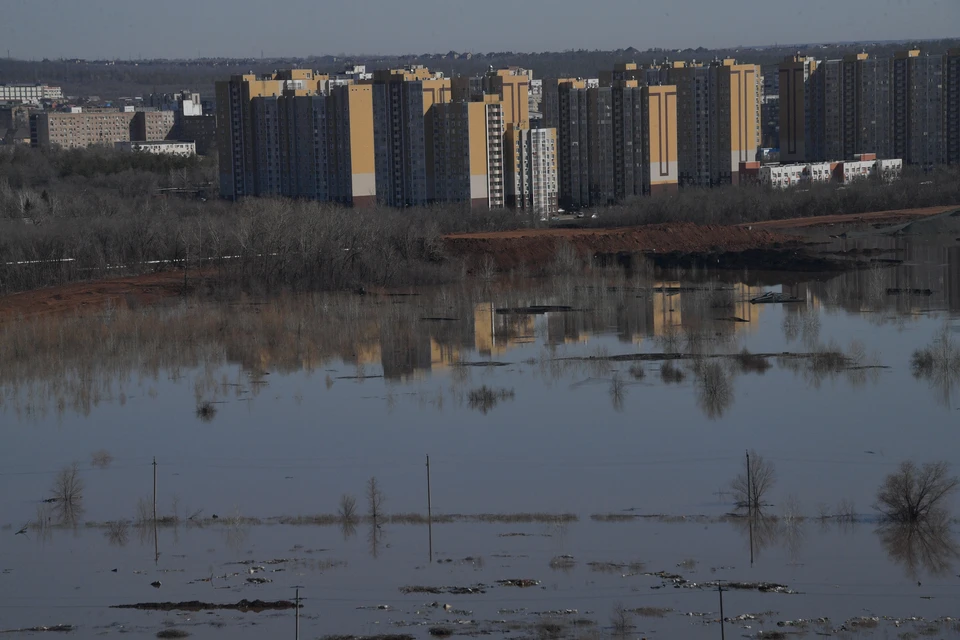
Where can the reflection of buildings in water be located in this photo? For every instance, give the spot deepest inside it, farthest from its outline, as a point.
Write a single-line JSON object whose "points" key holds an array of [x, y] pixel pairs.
{"points": [[495, 333], [410, 347], [925, 265]]}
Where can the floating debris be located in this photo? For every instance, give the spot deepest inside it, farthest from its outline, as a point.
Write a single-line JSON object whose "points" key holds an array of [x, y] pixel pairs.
{"points": [[522, 583], [772, 297], [246, 606]]}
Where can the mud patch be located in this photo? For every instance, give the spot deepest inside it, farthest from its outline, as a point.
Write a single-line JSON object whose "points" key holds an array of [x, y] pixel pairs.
{"points": [[244, 606]]}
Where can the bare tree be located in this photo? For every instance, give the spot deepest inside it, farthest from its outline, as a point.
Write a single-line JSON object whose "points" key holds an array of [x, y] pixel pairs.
{"points": [[754, 482], [914, 494], [621, 619], [68, 494], [374, 500], [348, 508]]}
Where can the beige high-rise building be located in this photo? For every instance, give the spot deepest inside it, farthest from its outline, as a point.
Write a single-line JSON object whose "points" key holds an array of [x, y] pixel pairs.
{"points": [[531, 170], [717, 113], [468, 153], [403, 133], [235, 126], [512, 86], [660, 139]]}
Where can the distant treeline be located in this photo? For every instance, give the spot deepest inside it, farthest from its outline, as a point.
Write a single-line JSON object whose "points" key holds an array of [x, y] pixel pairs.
{"points": [[138, 77], [95, 213]]}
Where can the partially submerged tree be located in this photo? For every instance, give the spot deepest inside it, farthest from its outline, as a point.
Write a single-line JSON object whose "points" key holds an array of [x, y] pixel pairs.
{"points": [[914, 494], [755, 481], [374, 500], [68, 494]]}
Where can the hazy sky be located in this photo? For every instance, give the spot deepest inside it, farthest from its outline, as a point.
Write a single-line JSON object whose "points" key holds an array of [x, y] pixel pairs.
{"points": [[186, 28]]}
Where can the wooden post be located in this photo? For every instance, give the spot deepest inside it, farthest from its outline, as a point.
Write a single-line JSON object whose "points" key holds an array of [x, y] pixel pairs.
{"points": [[429, 512], [156, 536], [298, 614], [720, 589], [749, 488]]}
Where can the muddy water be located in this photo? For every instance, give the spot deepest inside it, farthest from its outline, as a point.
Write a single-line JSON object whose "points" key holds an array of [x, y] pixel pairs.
{"points": [[309, 397]]}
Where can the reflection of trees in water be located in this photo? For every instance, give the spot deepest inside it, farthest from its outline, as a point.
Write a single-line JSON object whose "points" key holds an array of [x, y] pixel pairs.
{"points": [[760, 531], [375, 537], [939, 364], [714, 388], [927, 545]]}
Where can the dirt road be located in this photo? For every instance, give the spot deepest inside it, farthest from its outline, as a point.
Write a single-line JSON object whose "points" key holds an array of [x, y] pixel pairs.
{"points": [[894, 216]]}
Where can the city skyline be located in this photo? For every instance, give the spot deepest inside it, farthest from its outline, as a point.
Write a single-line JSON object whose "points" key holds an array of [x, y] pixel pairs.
{"points": [[110, 29]]}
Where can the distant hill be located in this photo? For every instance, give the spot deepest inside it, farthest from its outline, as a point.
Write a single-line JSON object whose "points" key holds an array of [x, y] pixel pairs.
{"points": [[112, 79]]}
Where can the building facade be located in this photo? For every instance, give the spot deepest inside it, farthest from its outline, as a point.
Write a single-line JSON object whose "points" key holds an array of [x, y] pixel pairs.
{"points": [[106, 127], [159, 147], [235, 127], [30, 93], [468, 153], [531, 170], [403, 133]]}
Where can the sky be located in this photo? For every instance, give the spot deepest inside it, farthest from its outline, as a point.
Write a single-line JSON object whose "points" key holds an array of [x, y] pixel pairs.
{"points": [[34, 29]]}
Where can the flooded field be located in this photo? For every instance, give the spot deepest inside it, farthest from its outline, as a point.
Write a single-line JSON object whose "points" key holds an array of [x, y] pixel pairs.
{"points": [[583, 435]]}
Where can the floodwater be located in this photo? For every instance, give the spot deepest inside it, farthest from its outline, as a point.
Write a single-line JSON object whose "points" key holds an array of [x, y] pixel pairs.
{"points": [[587, 450]]}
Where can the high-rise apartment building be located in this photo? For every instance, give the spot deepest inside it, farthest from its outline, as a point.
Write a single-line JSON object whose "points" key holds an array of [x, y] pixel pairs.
{"points": [[717, 120], [918, 108], [531, 170], [403, 133], [573, 146], [951, 106], [798, 112], [512, 86], [600, 142], [874, 107], [628, 141], [235, 130], [352, 151], [468, 153], [660, 139]]}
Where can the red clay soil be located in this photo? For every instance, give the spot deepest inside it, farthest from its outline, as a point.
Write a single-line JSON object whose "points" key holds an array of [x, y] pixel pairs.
{"points": [[511, 249], [893, 216], [77, 296]]}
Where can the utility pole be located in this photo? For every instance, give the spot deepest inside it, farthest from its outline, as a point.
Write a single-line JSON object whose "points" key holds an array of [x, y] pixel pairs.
{"points": [[429, 512], [720, 589], [156, 534], [750, 506], [298, 615]]}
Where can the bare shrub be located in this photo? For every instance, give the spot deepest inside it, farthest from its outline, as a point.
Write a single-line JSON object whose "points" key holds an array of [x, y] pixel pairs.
{"points": [[485, 398], [101, 459], [637, 372], [374, 500], [618, 392], [348, 508], [913, 494], [846, 511], [749, 363], [671, 374], [652, 612], [118, 533], [173, 633], [714, 389], [621, 619], [751, 487], [67, 493], [206, 411], [566, 260]]}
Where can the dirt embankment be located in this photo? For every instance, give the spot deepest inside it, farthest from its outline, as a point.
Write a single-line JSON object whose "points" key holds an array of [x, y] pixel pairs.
{"points": [[538, 247], [144, 289]]}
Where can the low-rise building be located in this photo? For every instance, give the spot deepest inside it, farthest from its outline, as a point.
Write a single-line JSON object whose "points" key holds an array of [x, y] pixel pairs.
{"points": [[30, 93], [76, 130], [159, 147], [783, 176]]}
